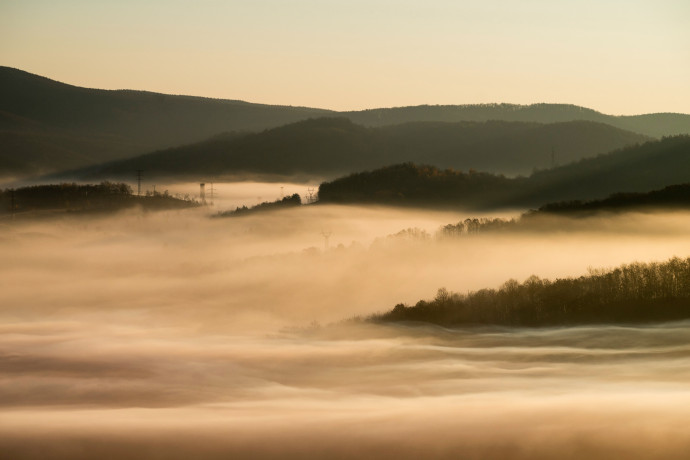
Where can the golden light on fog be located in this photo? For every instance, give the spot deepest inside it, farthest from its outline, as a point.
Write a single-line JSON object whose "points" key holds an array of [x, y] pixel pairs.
{"points": [[172, 334]]}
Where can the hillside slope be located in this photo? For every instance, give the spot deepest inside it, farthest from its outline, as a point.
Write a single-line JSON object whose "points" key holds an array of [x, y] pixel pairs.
{"points": [[642, 168], [57, 126], [653, 125], [333, 146], [46, 126]]}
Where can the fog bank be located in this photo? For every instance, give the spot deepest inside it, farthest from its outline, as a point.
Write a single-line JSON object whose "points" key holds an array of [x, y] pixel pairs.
{"points": [[174, 335]]}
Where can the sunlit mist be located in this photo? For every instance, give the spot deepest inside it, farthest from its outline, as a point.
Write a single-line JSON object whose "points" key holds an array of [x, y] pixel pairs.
{"points": [[177, 334]]}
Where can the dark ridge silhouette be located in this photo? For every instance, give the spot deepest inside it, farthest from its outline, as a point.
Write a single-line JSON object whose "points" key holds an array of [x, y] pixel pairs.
{"points": [[57, 126], [408, 184], [654, 124], [671, 197], [634, 169], [501, 146], [643, 168], [83, 198], [634, 293], [473, 226], [282, 203], [674, 197], [46, 126], [333, 146]]}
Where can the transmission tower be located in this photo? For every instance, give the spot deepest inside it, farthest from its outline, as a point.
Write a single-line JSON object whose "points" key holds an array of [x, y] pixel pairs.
{"points": [[210, 192], [12, 195], [202, 193], [139, 171], [325, 235], [310, 196]]}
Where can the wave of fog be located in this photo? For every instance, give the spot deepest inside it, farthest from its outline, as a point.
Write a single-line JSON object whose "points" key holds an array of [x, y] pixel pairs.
{"points": [[140, 393], [162, 335]]}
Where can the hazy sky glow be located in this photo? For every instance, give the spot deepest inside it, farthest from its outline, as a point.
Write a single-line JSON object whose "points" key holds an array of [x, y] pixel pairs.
{"points": [[616, 56]]}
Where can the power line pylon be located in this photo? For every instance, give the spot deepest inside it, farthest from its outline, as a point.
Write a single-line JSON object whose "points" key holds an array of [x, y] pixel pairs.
{"points": [[325, 235], [211, 190], [139, 171]]}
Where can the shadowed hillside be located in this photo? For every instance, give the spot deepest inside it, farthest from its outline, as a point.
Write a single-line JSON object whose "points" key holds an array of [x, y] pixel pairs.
{"points": [[655, 124], [291, 201], [650, 166], [46, 125], [671, 197], [409, 184], [83, 198], [332, 146]]}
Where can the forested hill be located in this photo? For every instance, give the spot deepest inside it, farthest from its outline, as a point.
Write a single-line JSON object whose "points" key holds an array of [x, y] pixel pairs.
{"points": [[46, 125], [654, 124], [671, 197], [643, 168], [409, 184], [650, 166], [287, 202], [81, 199], [631, 293], [336, 146]]}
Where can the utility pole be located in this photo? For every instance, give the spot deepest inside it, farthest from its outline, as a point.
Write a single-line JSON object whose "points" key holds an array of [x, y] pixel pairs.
{"points": [[210, 191], [325, 235], [202, 193], [139, 171]]}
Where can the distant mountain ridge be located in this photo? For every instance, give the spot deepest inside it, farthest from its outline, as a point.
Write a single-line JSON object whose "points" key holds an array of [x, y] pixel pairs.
{"points": [[46, 126], [653, 125], [642, 168], [326, 147]]}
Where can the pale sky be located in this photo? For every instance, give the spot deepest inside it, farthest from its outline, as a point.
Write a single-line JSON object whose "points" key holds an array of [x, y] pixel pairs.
{"points": [[615, 56]]}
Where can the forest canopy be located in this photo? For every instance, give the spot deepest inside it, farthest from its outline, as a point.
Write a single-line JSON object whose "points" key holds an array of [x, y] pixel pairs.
{"points": [[633, 293], [106, 196], [637, 169]]}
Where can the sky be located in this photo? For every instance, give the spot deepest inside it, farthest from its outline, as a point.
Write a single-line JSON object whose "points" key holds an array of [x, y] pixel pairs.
{"points": [[615, 56]]}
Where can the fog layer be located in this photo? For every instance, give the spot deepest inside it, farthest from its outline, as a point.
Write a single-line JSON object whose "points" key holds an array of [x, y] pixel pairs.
{"points": [[173, 335]]}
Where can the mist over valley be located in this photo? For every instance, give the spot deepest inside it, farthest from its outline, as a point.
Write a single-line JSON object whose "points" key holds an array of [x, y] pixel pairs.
{"points": [[152, 331], [344, 230]]}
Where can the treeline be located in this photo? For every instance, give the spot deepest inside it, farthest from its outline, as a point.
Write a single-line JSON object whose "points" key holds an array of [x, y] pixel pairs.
{"points": [[106, 196], [286, 202], [472, 226], [417, 185], [632, 293], [336, 146], [656, 125], [669, 198], [673, 196], [47, 126], [630, 170]]}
